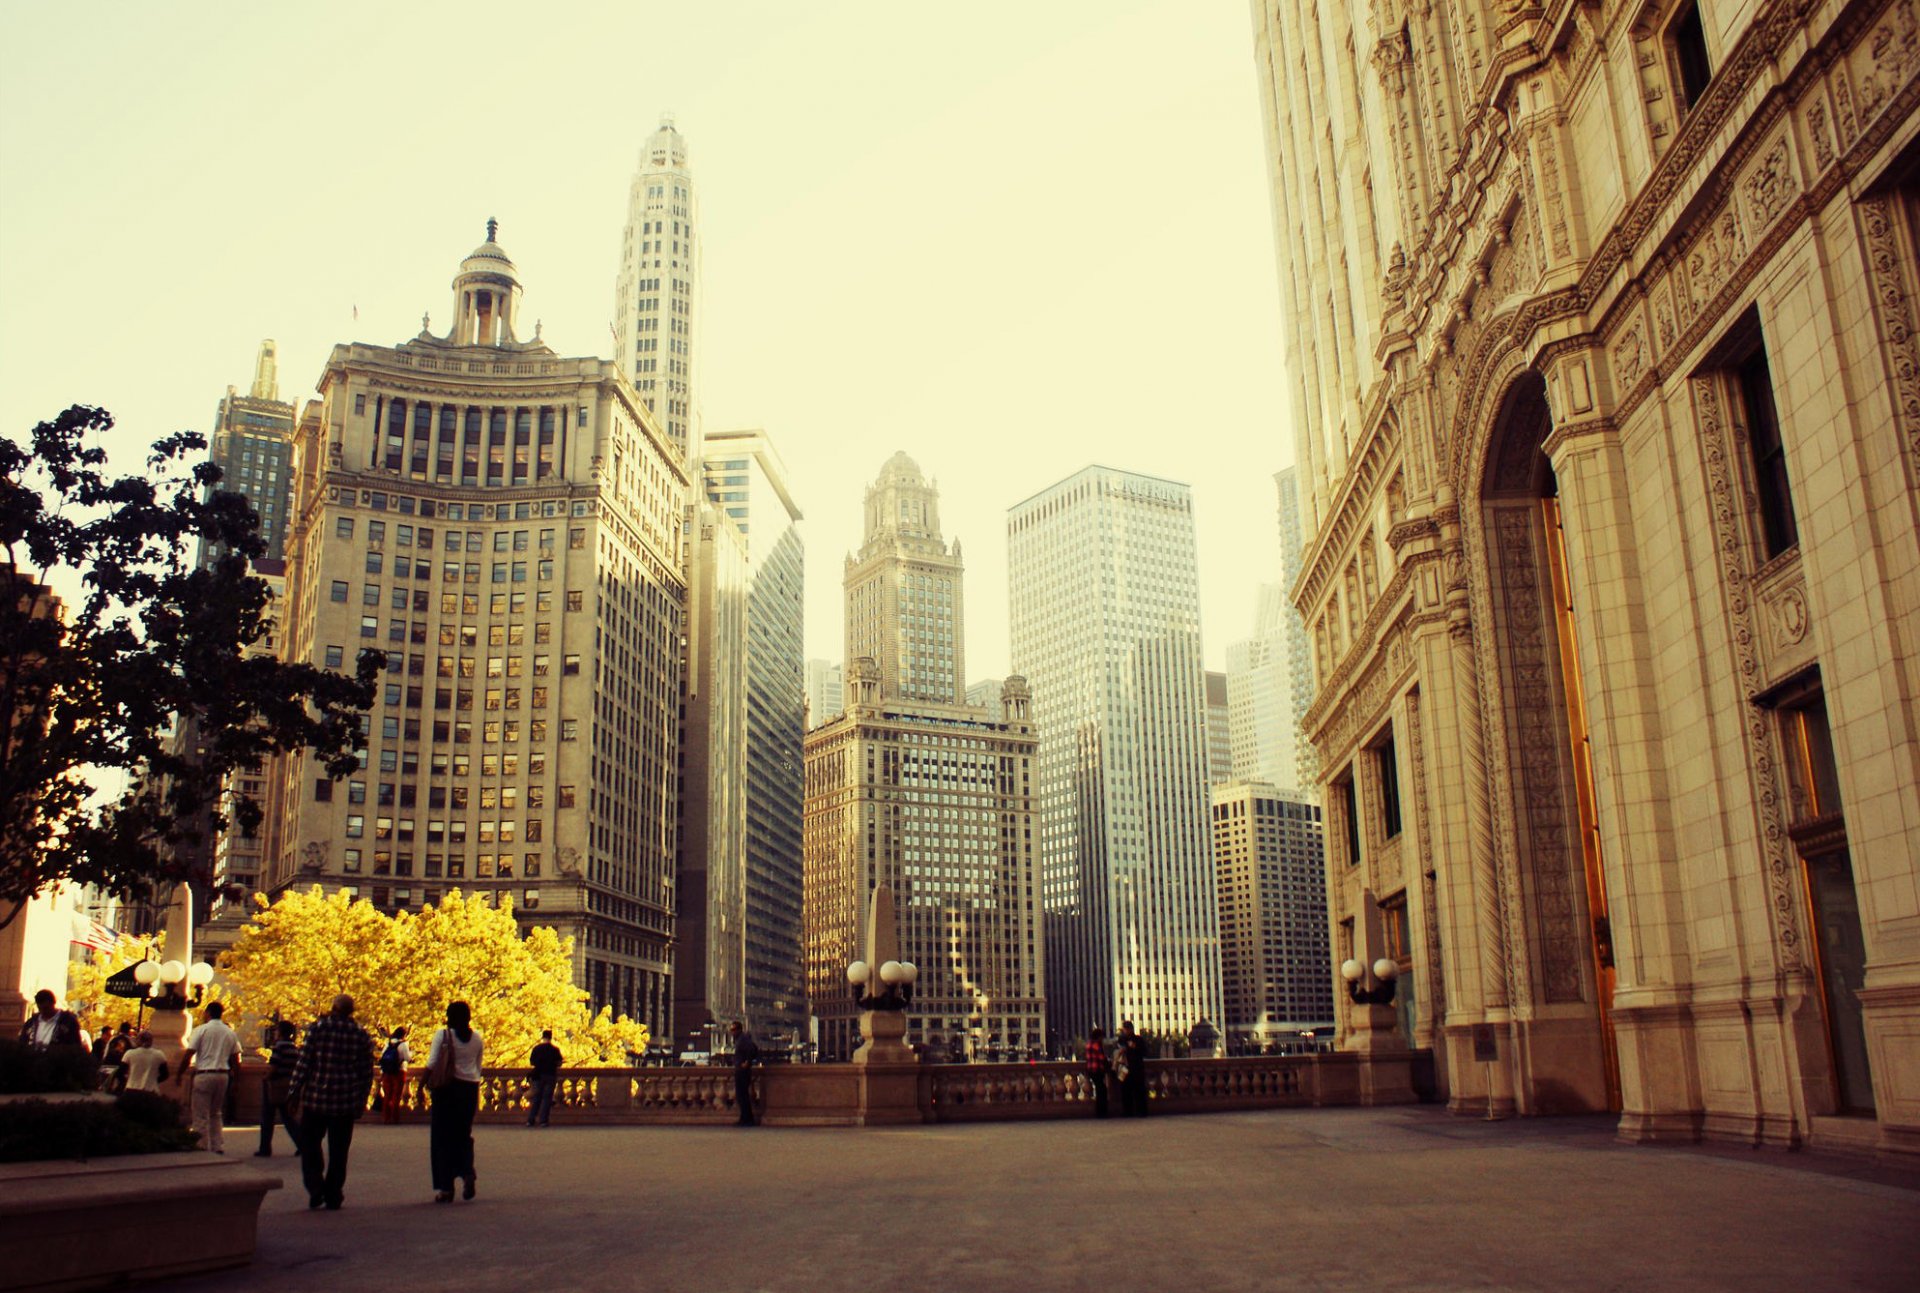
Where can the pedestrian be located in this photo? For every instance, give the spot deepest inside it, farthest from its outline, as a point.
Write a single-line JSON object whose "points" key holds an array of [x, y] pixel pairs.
{"points": [[1133, 1071], [48, 1027], [145, 1064], [1098, 1069], [546, 1060], [456, 1053], [393, 1076], [746, 1053], [330, 1084], [215, 1052], [277, 1088], [113, 1055]]}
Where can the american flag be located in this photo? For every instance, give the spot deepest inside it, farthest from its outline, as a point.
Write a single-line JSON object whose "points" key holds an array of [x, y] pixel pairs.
{"points": [[88, 932]]}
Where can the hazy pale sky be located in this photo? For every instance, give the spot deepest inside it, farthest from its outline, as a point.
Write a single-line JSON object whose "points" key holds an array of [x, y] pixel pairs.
{"points": [[1009, 238]]}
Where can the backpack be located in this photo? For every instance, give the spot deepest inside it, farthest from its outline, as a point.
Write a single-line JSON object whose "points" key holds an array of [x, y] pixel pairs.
{"points": [[390, 1058]]}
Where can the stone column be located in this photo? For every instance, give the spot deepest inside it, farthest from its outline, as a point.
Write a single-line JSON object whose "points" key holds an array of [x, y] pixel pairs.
{"points": [[1633, 800], [1481, 881]]}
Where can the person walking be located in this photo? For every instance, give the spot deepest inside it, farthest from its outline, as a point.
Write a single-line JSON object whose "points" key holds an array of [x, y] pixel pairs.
{"points": [[48, 1027], [546, 1060], [746, 1053], [277, 1087], [1098, 1068], [459, 1048], [145, 1065], [330, 1084], [393, 1076], [1133, 1072], [215, 1051]]}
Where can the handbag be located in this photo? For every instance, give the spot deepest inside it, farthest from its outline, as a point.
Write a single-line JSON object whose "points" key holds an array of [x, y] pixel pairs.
{"points": [[440, 1072]]}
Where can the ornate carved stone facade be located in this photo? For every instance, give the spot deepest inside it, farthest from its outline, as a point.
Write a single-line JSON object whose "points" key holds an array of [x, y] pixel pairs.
{"points": [[1606, 390]]}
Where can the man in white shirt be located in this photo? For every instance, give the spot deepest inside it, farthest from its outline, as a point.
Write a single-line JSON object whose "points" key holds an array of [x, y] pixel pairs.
{"points": [[146, 1067], [216, 1054]]}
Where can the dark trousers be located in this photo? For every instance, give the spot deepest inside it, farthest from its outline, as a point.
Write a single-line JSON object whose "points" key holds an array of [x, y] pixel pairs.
{"points": [[743, 1095], [1133, 1094], [1099, 1081], [324, 1141], [451, 1137], [540, 1106], [270, 1112]]}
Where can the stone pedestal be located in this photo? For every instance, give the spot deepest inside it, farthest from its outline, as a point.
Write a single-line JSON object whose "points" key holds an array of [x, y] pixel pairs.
{"points": [[888, 1071]]}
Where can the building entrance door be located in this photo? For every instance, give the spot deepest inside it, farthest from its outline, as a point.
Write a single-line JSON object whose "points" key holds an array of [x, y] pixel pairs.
{"points": [[1843, 972]]}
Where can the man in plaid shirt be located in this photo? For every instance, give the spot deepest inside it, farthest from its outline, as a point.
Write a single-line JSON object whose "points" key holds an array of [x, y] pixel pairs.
{"points": [[330, 1083]]}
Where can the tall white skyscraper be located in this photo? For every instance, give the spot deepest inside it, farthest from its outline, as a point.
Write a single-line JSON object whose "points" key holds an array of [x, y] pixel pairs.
{"points": [[656, 296], [1105, 618]]}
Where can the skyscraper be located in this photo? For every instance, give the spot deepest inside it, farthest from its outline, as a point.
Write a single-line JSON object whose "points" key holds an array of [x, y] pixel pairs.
{"points": [[252, 444], [1106, 626], [1219, 731], [1293, 628], [823, 691], [1274, 963], [926, 794], [746, 479], [505, 524], [1261, 717], [904, 590], [657, 292]]}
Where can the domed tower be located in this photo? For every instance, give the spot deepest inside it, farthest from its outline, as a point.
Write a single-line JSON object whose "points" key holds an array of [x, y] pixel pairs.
{"points": [[486, 293], [905, 600]]}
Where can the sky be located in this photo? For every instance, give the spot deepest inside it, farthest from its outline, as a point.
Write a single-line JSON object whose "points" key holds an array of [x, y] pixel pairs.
{"points": [[1011, 239]]}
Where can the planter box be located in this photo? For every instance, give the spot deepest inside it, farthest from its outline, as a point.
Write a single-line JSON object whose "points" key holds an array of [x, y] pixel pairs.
{"points": [[109, 1221]]}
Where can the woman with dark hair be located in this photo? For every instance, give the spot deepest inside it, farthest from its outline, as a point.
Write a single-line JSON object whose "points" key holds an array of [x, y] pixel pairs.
{"points": [[453, 1070]]}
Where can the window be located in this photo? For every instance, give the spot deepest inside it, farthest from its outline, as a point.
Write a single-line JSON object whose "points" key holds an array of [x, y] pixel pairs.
{"points": [[569, 729], [339, 592], [356, 826], [1778, 531], [1388, 768], [343, 528], [1688, 41], [323, 791], [570, 665], [335, 657], [1350, 812]]}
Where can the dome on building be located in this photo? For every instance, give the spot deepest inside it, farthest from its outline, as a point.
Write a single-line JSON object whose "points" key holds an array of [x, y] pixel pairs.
{"points": [[490, 257]]}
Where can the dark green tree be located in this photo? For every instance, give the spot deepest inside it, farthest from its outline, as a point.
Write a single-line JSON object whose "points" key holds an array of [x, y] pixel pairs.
{"points": [[92, 789]]}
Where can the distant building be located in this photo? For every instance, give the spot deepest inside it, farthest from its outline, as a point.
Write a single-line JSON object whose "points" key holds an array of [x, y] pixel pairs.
{"points": [[1299, 650], [1219, 731], [984, 693], [1106, 628], [929, 795], [1271, 853], [1260, 697], [823, 691]]}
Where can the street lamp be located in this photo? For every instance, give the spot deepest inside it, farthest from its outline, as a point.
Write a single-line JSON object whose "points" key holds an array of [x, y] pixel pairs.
{"points": [[1384, 973], [895, 989]]}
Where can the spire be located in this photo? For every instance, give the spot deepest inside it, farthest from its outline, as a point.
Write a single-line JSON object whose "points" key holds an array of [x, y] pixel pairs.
{"points": [[266, 374], [493, 227]]}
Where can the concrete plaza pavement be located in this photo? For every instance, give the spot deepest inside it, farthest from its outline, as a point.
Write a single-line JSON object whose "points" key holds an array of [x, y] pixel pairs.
{"points": [[1358, 1200]]}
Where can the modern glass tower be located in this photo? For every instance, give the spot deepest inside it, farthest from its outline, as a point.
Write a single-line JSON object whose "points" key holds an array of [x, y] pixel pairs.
{"points": [[1105, 620], [656, 295]]}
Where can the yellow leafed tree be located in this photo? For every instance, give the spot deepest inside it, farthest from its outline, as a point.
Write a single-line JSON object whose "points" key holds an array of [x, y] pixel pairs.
{"points": [[403, 970]]}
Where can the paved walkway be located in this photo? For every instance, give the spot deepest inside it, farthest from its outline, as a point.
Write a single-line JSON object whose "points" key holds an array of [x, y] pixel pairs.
{"points": [[1360, 1201]]}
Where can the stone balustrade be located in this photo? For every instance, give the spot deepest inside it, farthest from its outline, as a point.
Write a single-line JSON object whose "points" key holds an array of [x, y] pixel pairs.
{"points": [[828, 1094]]}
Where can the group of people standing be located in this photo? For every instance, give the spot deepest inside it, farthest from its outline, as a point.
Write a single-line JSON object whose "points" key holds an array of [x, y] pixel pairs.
{"points": [[1126, 1063]]}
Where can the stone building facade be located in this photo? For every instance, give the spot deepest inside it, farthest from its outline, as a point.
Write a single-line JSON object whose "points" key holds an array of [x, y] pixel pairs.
{"points": [[1606, 387], [505, 524]]}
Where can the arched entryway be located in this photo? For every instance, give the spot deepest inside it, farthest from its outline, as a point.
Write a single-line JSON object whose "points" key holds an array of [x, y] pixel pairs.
{"points": [[1563, 1030]]}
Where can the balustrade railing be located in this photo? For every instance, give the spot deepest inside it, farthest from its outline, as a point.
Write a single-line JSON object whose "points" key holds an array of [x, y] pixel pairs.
{"points": [[948, 1092]]}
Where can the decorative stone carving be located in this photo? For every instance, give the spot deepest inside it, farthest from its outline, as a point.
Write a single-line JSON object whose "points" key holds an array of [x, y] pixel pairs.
{"points": [[1630, 355], [1535, 717], [1819, 132], [1894, 312], [1770, 185], [1883, 62], [1727, 509]]}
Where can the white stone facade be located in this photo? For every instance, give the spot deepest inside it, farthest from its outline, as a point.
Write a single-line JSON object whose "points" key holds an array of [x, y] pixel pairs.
{"points": [[1602, 325]]}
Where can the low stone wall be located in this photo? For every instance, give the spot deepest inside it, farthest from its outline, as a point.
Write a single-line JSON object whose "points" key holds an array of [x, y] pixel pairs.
{"points": [[68, 1225], [828, 1095]]}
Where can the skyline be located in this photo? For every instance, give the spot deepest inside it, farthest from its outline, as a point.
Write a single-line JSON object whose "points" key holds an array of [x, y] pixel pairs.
{"points": [[193, 196]]}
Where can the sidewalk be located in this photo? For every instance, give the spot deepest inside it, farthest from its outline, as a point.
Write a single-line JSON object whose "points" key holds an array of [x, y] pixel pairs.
{"points": [[1356, 1200]]}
